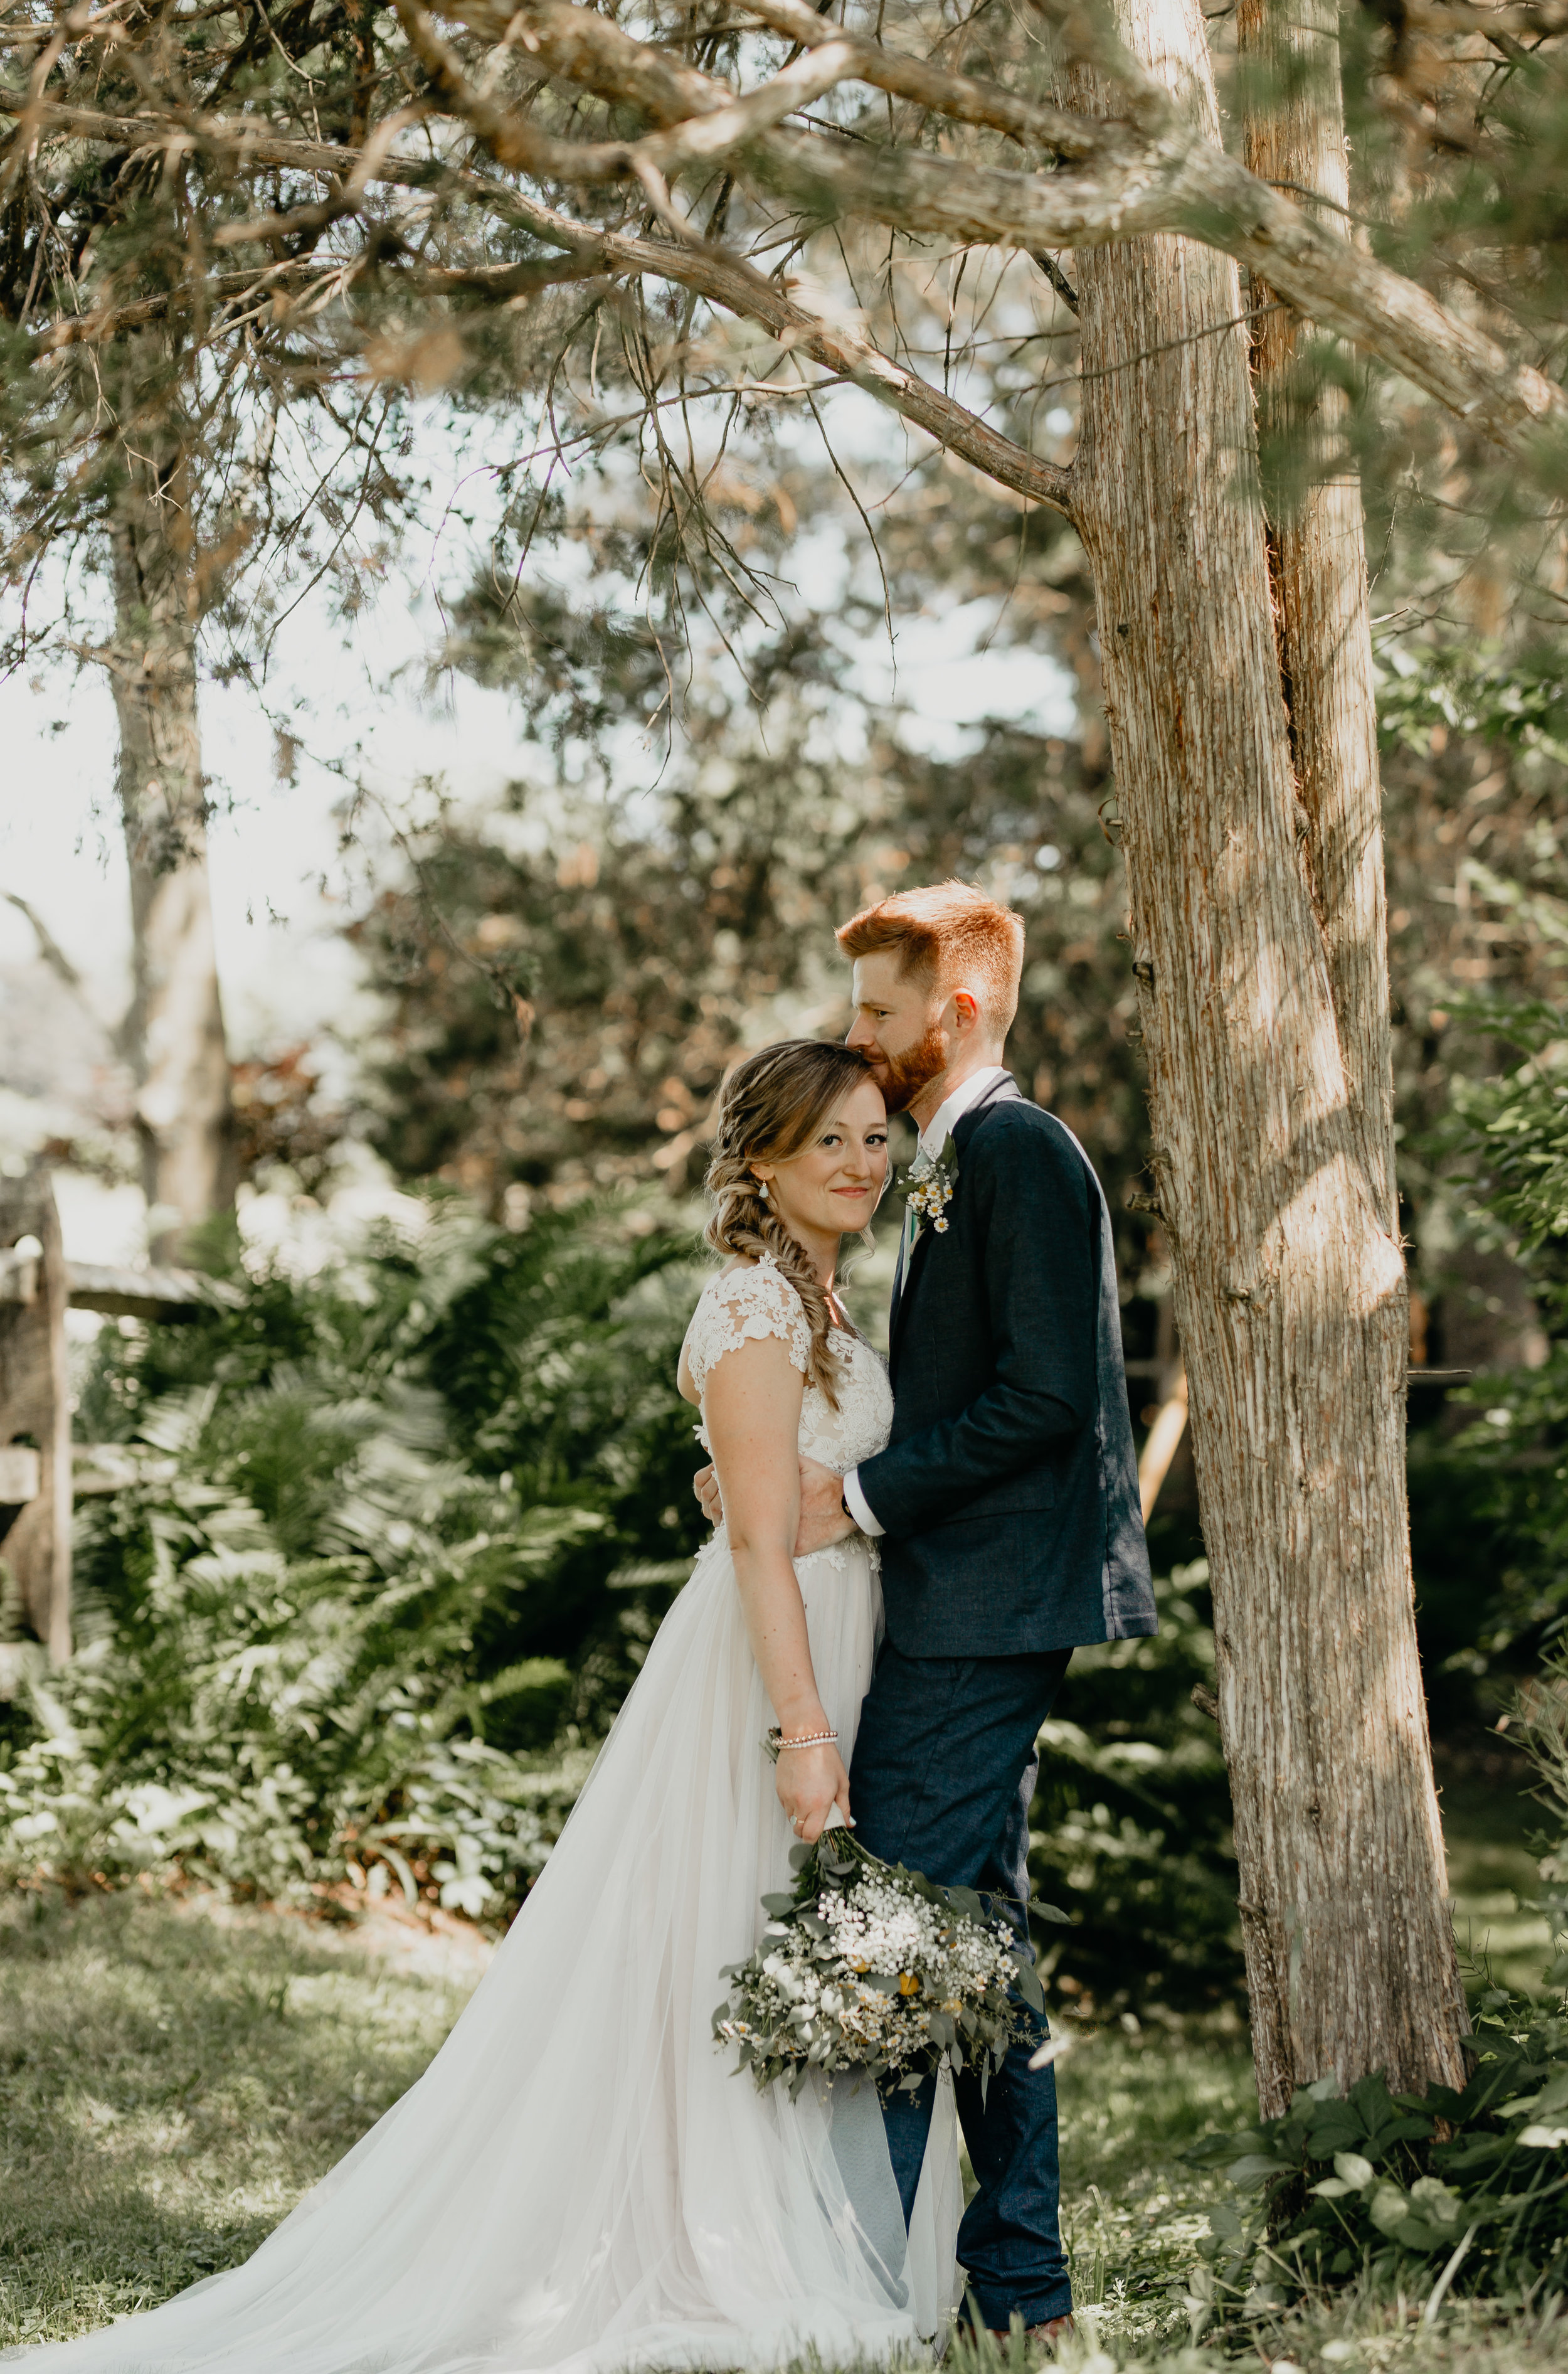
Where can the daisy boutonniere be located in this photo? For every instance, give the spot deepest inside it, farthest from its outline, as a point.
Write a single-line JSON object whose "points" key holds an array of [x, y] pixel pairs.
{"points": [[931, 1184]]}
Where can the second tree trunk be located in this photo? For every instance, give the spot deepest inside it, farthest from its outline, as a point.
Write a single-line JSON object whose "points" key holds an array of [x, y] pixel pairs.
{"points": [[1289, 1282], [176, 1034]]}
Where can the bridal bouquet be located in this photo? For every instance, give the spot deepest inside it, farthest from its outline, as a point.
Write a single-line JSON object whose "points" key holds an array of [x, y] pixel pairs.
{"points": [[869, 1968]]}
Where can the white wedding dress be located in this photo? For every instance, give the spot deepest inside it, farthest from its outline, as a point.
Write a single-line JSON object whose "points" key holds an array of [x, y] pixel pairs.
{"points": [[579, 2182]]}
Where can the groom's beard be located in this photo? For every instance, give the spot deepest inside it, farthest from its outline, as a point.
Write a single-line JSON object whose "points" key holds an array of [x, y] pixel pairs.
{"points": [[901, 1077]]}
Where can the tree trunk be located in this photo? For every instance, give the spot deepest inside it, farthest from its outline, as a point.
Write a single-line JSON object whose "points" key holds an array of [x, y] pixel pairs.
{"points": [[1289, 1284], [175, 1032], [1294, 120]]}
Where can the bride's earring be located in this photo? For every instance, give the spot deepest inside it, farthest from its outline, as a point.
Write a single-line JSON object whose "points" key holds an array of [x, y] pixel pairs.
{"points": [[762, 1189]]}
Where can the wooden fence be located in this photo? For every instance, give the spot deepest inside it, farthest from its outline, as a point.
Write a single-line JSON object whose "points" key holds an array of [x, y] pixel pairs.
{"points": [[38, 1480]]}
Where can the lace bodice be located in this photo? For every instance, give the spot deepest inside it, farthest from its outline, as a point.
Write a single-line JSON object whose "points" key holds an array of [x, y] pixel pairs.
{"points": [[747, 1304]]}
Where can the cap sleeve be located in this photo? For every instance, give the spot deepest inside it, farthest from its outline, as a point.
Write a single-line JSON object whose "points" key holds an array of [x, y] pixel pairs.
{"points": [[739, 1307]]}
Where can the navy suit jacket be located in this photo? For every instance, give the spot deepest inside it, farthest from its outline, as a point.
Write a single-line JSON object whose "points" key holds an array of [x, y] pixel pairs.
{"points": [[1009, 1489]]}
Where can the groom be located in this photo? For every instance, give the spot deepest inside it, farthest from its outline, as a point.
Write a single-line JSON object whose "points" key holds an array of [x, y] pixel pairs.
{"points": [[1006, 1505]]}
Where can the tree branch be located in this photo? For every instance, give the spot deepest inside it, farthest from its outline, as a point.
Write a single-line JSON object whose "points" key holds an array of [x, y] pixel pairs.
{"points": [[1538, 19], [511, 140], [1150, 172], [496, 282], [729, 282], [1164, 177], [724, 280], [959, 97]]}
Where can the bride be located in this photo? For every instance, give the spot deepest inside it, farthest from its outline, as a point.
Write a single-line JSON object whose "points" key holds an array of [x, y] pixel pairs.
{"points": [[579, 2180]]}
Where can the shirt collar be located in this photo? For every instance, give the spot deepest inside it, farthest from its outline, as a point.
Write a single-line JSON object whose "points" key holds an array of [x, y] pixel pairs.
{"points": [[953, 1108]]}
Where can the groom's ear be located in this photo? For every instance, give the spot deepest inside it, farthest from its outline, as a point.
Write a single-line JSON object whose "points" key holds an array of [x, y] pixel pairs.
{"points": [[966, 1009]]}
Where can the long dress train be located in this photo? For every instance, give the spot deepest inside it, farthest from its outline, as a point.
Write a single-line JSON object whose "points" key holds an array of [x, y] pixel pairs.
{"points": [[579, 2182]]}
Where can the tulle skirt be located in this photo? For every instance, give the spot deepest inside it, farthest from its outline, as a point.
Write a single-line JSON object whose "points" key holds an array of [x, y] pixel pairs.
{"points": [[580, 2181]]}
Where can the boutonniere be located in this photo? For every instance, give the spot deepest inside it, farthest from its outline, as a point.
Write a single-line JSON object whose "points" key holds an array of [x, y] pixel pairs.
{"points": [[931, 1184]]}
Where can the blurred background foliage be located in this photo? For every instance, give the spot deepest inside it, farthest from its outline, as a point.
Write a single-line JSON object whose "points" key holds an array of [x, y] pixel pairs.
{"points": [[392, 1531]]}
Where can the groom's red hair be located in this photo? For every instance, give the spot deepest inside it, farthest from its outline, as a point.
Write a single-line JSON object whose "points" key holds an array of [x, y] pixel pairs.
{"points": [[953, 935]]}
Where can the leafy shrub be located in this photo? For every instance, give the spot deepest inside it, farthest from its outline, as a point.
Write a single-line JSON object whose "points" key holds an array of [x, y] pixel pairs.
{"points": [[1131, 1824], [379, 1569], [1520, 699], [1459, 2189]]}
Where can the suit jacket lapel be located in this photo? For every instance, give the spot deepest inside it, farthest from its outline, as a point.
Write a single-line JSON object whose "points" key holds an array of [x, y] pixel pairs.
{"points": [[901, 1279], [906, 1277]]}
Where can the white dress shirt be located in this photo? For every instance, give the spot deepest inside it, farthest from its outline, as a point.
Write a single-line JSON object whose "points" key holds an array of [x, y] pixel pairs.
{"points": [[933, 1137]]}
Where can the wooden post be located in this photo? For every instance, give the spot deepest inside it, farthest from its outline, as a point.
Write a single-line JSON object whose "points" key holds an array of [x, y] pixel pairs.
{"points": [[35, 1408]]}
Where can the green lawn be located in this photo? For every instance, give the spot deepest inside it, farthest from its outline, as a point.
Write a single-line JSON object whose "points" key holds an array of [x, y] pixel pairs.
{"points": [[1131, 2212], [172, 2082], [173, 2077]]}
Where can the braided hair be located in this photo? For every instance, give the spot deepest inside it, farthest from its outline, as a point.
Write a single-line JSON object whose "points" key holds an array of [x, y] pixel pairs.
{"points": [[770, 1108]]}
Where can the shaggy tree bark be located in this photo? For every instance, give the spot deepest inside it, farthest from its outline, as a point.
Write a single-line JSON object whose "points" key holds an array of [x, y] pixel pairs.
{"points": [[1288, 1278], [1294, 122], [175, 1027]]}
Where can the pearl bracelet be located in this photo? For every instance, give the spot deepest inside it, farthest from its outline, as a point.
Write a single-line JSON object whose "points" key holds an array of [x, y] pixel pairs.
{"points": [[811, 1739]]}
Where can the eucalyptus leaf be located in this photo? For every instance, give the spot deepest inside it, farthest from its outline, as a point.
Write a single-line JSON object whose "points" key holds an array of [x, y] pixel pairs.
{"points": [[1027, 1981]]}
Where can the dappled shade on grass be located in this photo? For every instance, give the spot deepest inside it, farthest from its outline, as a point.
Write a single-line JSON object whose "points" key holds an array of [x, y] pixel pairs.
{"points": [[172, 2080]]}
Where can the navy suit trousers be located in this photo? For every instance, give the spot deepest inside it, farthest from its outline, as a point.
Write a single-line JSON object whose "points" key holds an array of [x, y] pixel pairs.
{"points": [[942, 1781]]}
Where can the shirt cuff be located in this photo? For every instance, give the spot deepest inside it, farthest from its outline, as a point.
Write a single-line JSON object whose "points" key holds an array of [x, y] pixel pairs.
{"points": [[859, 1506]]}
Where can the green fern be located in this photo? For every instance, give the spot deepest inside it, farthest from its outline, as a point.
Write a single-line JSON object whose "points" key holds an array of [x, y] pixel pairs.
{"points": [[364, 1605]]}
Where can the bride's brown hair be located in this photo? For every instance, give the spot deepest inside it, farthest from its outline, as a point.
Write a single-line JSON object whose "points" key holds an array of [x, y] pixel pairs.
{"points": [[769, 1109]]}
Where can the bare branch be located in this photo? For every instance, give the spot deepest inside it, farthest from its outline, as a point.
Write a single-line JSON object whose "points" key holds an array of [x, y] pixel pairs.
{"points": [[959, 97], [220, 289], [727, 282], [496, 282]]}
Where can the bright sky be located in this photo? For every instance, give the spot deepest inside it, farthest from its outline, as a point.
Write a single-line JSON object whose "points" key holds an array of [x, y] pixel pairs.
{"points": [[274, 845], [280, 893]]}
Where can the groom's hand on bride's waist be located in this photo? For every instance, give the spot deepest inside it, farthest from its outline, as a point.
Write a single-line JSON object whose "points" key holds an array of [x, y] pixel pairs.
{"points": [[823, 1517], [705, 1483]]}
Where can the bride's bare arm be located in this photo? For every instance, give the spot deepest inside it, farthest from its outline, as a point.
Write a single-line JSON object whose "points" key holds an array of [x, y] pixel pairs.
{"points": [[751, 1410]]}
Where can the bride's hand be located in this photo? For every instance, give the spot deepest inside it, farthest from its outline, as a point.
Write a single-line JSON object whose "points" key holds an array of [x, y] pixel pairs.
{"points": [[810, 1781]]}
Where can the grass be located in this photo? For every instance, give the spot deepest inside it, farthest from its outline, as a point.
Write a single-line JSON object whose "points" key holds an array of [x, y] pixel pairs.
{"points": [[173, 2077], [1487, 1824], [172, 2080], [1132, 2098]]}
